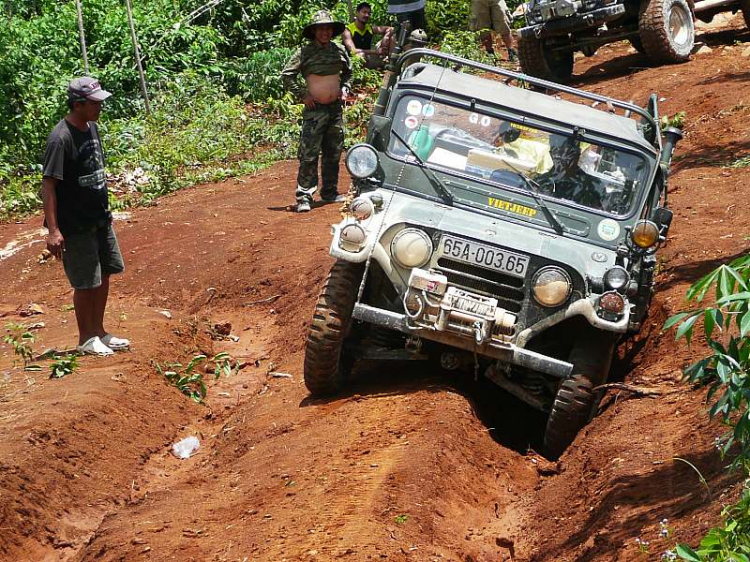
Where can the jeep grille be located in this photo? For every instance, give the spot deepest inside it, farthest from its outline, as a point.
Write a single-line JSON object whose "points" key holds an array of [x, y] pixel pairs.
{"points": [[506, 289]]}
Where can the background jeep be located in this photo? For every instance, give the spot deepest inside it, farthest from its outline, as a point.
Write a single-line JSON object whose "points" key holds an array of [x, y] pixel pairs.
{"points": [[501, 230], [662, 29]]}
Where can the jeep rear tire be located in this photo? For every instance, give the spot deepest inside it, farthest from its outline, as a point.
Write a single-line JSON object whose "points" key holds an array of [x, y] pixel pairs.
{"points": [[570, 413], [537, 60], [326, 362], [666, 30]]}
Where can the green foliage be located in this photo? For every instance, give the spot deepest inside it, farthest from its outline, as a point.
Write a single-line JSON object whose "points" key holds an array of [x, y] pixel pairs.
{"points": [[740, 162], [63, 366], [731, 541], [677, 120], [258, 77], [19, 195], [725, 370], [189, 382], [465, 44], [401, 519], [21, 340]]}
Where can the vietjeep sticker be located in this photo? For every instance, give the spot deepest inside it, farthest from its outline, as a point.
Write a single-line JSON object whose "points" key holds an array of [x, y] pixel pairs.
{"points": [[414, 107], [428, 110], [608, 230], [511, 207], [411, 122]]}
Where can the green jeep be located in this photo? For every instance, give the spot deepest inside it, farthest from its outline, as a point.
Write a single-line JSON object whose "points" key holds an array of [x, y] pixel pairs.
{"points": [[498, 229]]}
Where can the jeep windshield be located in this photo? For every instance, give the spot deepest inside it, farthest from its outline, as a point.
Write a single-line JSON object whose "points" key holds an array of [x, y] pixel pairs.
{"points": [[485, 148]]}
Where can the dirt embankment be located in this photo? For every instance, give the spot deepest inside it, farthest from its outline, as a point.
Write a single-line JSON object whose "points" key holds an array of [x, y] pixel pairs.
{"points": [[408, 464]]}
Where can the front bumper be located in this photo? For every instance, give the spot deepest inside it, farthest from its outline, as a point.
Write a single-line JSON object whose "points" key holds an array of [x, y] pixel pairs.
{"points": [[570, 24], [502, 351]]}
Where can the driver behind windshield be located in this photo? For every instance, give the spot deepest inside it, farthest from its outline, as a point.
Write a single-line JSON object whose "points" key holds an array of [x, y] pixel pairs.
{"points": [[566, 179]]}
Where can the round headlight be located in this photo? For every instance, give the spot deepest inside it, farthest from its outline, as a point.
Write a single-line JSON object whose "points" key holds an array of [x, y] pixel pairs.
{"points": [[616, 278], [411, 248], [552, 286], [645, 234], [362, 208], [361, 161]]}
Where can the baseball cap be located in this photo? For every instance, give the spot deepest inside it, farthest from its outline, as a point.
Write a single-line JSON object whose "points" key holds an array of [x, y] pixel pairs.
{"points": [[87, 88]]}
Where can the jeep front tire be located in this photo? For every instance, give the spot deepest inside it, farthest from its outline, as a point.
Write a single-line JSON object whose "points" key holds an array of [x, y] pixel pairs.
{"points": [[537, 60], [326, 362], [576, 401], [666, 30]]}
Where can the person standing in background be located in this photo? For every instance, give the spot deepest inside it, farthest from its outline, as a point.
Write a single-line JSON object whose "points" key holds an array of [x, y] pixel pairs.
{"points": [[493, 15], [76, 213], [327, 72]]}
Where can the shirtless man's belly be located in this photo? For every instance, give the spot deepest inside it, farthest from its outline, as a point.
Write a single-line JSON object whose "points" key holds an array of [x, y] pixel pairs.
{"points": [[324, 89]]}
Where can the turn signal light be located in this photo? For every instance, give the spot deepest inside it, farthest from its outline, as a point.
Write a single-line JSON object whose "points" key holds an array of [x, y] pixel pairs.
{"points": [[612, 302]]}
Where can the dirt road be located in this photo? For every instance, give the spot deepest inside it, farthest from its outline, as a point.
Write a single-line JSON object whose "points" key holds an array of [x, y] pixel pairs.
{"points": [[409, 463]]}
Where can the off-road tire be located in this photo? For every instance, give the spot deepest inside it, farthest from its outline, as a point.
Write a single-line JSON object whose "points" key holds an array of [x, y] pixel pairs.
{"points": [[666, 30], [535, 60], [570, 413], [326, 363], [745, 7]]}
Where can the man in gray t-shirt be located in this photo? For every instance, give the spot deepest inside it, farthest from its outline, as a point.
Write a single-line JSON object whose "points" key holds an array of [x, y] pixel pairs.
{"points": [[76, 213]]}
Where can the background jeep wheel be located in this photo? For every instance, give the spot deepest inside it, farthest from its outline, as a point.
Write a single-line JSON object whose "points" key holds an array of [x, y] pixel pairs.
{"points": [[325, 362], [667, 31], [569, 414], [538, 61]]}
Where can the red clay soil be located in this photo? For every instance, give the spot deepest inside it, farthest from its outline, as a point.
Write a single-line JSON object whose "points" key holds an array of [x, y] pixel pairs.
{"points": [[408, 464]]}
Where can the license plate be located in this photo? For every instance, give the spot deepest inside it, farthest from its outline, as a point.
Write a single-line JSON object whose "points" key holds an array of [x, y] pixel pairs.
{"points": [[484, 256]]}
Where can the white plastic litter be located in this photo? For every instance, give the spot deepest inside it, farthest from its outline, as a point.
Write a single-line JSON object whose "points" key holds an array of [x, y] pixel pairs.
{"points": [[186, 447]]}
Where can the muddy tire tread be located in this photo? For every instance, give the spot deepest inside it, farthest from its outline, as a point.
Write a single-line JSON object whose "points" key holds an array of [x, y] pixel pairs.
{"points": [[329, 326], [653, 27], [570, 413], [533, 62]]}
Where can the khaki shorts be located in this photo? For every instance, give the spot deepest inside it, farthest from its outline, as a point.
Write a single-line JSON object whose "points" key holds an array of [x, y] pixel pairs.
{"points": [[490, 14]]}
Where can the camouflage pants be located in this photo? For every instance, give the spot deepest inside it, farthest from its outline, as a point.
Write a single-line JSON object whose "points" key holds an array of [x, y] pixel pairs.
{"points": [[322, 132]]}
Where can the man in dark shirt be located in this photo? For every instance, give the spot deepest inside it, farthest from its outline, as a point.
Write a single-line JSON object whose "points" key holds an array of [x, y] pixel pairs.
{"points": [[76, 211], [566, 179]]}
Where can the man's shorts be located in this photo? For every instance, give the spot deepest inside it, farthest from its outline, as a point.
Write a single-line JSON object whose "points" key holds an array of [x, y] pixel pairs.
{"points": [[490, 14], [89, 254]]}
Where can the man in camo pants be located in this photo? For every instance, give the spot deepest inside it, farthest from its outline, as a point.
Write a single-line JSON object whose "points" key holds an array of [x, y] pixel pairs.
{"points": [[327, 71]]}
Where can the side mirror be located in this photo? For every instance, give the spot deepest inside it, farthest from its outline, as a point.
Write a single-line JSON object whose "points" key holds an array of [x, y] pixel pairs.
{"points": [[663, 217], [379, 131]]}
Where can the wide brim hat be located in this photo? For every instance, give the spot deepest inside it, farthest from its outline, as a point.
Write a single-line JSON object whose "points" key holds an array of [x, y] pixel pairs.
{"points": [[322, 17]]}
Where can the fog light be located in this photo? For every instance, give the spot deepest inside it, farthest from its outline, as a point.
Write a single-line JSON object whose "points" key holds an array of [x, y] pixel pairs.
{"points": [[612, 302], [353, 234], [616, 278], [362, 208]]}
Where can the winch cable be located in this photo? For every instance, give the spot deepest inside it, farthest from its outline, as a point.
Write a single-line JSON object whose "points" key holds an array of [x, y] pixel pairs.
{"points": [[376, 240]]}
